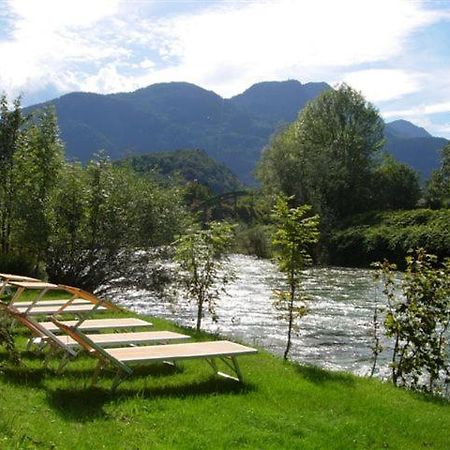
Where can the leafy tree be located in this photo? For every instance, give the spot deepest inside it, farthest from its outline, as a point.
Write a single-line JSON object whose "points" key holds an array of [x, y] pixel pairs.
{"points": [[102, 217], [295, 233], [201, 255], [395, 185], [325, 158], [11, 121], [38, 162], [438, 187], [417, 318]]}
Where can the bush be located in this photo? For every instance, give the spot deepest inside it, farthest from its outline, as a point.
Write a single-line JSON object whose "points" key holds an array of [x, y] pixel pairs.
{"points": [[254, 240], [389, 235], [18, 264]]}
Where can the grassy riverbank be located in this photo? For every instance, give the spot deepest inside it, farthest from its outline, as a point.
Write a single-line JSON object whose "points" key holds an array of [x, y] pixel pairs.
{"points": [[279, 406]]}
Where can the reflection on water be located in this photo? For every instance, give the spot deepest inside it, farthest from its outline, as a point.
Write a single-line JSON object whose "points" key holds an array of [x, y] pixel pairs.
{"points": [[334, 335]]}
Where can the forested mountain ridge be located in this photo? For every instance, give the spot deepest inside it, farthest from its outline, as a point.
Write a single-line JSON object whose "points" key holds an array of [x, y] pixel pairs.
{"points": [[169, 116], [189, 165]]}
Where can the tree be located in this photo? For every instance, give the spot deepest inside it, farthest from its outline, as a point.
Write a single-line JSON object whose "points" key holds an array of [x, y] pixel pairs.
{"points": [[106, 223], [295, 233], [201, 255], [437, 192], [417, 318], [325, 158], [394, 185], [11, 121], [38, 162]]}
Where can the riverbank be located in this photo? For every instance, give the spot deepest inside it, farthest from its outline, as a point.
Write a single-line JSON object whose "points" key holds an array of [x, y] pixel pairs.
{"points": [[281, 405]]}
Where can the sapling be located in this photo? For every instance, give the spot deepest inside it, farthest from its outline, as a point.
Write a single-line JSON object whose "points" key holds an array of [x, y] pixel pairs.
{"points": [[296, 231], [202, 257]]}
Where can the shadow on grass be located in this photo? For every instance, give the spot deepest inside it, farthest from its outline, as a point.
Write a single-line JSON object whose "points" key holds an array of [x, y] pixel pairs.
{"points": [[22, 375], [320, 376], [84, 404]]}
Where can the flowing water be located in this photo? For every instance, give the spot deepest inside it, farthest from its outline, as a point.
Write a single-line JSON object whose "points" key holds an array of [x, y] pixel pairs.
{"points": [[334, 335]]}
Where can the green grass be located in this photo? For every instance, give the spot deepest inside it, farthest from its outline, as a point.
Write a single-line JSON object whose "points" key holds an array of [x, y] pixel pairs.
{"points": [[280, 406]]}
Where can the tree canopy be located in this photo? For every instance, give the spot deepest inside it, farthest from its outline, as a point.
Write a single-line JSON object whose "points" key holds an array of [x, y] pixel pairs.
{"points": [[325, 158]]}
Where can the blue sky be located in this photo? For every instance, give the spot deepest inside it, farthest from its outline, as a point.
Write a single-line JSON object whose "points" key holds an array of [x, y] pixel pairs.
{"points": [[396, 52]]}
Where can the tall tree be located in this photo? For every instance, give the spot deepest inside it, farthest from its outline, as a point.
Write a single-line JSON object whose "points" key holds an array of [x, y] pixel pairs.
{"points": [[11, 121], [37, 165], [325, 157], [394, 185]]}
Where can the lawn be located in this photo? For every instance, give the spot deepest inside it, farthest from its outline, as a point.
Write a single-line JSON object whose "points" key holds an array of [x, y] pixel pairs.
{"points": [[280, 406]]}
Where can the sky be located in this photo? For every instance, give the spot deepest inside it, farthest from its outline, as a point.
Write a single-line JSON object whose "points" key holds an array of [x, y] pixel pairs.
{"points": [[396, 52]]}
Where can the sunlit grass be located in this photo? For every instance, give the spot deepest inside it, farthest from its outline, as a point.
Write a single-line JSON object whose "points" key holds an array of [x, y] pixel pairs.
{"points": [[280, 405]]}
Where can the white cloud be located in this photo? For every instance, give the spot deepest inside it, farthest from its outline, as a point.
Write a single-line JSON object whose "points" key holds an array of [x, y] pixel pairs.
{"points": [[379, 85], [421, 110], [107, 45]]}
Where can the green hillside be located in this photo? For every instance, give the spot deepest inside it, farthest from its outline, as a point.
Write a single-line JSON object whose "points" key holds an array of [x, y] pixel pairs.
{"points": [[190, 165]]}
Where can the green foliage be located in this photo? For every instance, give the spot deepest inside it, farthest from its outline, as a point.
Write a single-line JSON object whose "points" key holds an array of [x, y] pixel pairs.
{"points": [[187, 166], [38, 162], [325, 158], [17, 263], [375, 236], [437, 192], [11, 121], [201, 255], [102, 216], [254, 240], [417, 318], [7, 339], [295, 233], [394, 186]]}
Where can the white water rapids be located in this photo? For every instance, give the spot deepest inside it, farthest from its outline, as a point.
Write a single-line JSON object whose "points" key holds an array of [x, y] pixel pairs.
{"points": [[334, 335]]}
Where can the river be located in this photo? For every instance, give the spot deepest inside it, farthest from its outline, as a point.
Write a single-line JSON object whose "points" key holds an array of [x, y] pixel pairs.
{"points": [[334, 335]]}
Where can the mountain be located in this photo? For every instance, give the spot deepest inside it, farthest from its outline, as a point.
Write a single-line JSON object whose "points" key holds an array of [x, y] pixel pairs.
{"points": [[169, 116], [190, 165], [404, 129]]}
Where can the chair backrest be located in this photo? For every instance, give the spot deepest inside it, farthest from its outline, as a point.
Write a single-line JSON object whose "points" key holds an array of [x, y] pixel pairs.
{"points": [[36, 328], [87, 296], [91, 347]]}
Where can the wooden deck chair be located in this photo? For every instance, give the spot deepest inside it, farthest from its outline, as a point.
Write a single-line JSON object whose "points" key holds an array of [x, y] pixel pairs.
{"points": [[81, 302], [68, 346], [122, 359]]}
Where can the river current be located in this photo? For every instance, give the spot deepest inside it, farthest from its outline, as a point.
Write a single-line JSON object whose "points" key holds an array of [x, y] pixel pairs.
{"points": [[336, 333]]}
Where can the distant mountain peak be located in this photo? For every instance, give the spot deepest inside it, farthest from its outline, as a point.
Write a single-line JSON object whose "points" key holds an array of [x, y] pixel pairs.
{"points": [[403, 128]]}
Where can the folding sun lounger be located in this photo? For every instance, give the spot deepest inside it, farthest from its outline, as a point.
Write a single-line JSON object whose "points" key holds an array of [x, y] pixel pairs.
{"points": [[80, 302], [122, 359], [68, 345]]}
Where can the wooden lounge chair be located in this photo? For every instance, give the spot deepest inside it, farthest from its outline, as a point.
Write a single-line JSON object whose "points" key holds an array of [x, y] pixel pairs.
{"points": [[68, 346], [81, 301], [122, 359]]}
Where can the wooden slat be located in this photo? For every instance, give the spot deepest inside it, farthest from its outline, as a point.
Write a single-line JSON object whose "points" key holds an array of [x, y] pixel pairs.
{"points": [[77, 301], [12, 277], [33, 284], [48, 310], [170, 352], [101, 324], [114, 339]]}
